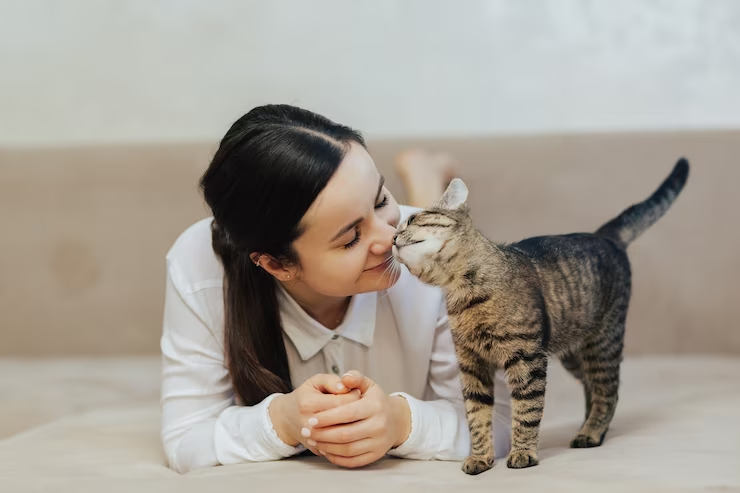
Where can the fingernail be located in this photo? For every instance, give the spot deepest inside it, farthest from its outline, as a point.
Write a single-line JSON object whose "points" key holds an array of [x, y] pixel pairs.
{"points": [[312, 422], [312, 442], [340, 386], [306, 432], [322, 453], [348, 374]]}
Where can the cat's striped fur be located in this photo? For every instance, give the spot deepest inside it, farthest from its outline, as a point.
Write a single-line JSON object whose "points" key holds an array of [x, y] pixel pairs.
{"points": [[510, 306]]}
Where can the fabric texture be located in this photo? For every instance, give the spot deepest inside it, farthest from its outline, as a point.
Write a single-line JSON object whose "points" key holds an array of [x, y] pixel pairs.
{"points": [[676, 429]]}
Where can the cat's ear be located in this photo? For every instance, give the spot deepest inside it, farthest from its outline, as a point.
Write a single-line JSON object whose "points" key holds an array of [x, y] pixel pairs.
{"points": [[455, 196]]}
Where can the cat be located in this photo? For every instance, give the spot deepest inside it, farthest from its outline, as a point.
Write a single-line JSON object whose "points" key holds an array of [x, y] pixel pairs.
{"points": [[512, 305]]}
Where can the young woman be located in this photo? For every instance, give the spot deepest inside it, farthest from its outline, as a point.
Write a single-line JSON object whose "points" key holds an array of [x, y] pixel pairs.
{"points": [[287, 326]]}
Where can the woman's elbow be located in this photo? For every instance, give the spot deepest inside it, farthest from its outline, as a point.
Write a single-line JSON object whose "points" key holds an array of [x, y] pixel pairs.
{"points": [[189, 449]]}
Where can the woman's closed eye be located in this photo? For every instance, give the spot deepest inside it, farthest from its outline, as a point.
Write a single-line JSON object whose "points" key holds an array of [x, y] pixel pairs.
{"points": [[383, 202], [358, 231], [355, 240]]}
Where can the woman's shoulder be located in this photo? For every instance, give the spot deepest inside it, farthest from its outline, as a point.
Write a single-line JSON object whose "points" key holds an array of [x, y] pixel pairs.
{"points": [[191, 261]]}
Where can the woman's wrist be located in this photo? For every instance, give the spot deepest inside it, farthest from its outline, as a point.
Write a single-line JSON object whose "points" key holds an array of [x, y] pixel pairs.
{"points": [[402, 418], [277, 413]]}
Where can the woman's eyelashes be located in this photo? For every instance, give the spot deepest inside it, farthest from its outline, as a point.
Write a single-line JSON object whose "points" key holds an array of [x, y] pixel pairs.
{"points": [[355, 240], [383, 202], [358, 232]]}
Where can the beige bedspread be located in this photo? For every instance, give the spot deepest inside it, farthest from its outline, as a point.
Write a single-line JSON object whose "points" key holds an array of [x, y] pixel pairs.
{"points": [[93, 425]]}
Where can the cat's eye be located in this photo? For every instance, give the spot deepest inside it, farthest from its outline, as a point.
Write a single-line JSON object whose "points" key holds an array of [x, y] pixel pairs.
{"points": [[432, 221]]}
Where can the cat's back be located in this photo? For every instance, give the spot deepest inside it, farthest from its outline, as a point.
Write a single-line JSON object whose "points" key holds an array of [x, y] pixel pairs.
{"points": [[580, 276], [569, 247]]}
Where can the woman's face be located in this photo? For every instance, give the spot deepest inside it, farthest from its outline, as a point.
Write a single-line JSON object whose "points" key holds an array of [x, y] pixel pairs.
{"points": [[345, 247]]}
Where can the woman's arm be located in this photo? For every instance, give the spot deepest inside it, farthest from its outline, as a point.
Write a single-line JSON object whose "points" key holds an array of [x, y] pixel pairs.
{"points": [[201, 425]]}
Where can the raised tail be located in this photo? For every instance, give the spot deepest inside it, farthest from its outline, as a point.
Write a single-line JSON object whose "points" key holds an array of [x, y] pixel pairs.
{"points": [[630, 224]]}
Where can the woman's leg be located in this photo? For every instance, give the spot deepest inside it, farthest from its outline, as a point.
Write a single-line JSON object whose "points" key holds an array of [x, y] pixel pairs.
{"points": [[425, 175]]}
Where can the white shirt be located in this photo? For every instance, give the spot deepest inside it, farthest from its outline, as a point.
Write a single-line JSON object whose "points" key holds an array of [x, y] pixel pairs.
{"points": [[397, 337]]}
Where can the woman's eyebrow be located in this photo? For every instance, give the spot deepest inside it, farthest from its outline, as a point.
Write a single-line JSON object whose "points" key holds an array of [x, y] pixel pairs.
{"points": [[354, 223]]}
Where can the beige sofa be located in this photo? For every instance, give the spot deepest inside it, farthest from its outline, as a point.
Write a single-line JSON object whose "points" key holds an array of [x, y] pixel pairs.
{"points": [[85, 230]]}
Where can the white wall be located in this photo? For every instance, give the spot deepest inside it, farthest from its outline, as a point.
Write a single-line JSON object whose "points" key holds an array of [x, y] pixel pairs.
{"points": [[87, 71]]}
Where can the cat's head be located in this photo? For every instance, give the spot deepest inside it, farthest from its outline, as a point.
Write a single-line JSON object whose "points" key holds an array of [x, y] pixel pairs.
{"points": [[432, 242]]}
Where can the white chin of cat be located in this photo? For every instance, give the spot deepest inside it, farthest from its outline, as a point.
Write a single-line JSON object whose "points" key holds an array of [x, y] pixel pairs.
{"points": [[413, 256]]}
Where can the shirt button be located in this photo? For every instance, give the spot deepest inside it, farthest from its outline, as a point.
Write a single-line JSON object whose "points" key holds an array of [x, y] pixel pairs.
{"points": [[335, 337], [335, 369]]}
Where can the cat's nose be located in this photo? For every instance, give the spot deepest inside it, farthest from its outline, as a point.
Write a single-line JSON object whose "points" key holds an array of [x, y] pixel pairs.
{"points": [[394, 240]]}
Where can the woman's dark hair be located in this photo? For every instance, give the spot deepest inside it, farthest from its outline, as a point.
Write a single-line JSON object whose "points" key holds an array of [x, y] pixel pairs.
{"points": [[267, 171]]}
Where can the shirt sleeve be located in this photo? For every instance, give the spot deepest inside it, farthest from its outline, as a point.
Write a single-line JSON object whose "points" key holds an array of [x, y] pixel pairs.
{"points": [[201, 425], [439, 427]]}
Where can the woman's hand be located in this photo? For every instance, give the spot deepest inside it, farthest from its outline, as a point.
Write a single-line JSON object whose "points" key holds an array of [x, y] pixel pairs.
{"points": [[361, 432], [291, 412]]}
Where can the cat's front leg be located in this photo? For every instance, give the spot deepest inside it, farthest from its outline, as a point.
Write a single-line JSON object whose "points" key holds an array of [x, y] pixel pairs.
{"points": [[477, 387], [527, 377]]}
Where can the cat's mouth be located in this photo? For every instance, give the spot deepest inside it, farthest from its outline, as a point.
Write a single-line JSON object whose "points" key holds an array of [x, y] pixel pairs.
{"points": [[405, 244]]}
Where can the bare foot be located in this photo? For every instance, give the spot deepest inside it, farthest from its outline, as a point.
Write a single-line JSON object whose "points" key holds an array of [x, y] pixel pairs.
{"points": [[413, 164], [425, 175]]}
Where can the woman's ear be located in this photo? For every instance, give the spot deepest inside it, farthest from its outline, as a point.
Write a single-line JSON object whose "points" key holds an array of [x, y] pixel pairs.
{"points": [[272, 266], [256, 258]]}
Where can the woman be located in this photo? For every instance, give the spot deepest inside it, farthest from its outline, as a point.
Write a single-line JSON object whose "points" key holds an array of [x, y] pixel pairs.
{"points": [[288, 327]]}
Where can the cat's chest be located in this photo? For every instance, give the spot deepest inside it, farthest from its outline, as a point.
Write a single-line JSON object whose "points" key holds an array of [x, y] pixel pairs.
{"points": [[486, 341]]}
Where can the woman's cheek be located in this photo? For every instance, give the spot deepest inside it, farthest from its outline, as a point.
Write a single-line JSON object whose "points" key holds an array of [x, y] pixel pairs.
{"points": [[346, 269]]}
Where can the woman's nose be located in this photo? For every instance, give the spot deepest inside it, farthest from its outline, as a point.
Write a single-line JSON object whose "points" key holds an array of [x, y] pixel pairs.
{"points": [[385, 238]]}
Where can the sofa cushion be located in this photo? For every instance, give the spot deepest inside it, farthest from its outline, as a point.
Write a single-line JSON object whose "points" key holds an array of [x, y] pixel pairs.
{"points": [[676, 427], [85, 231]]}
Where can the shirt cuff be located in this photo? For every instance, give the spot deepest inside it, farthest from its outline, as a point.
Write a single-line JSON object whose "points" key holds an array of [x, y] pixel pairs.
{"points": [[414, 441], [271, 436], [246, 434]]}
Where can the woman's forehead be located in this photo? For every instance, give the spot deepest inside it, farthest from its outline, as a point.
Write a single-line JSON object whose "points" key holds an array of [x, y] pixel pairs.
{"points": [[349, 195]]}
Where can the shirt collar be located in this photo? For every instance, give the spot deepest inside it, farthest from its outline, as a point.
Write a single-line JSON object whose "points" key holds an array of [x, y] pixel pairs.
{"points": [[309, 336]]}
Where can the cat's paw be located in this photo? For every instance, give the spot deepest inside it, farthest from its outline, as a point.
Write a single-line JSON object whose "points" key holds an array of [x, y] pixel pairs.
{"points": [[519, 459], [585, 441], [476, 465]]}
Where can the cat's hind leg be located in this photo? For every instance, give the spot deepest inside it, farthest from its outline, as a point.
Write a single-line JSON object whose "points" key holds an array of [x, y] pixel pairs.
{"points": [[602, 356], [573, 362]]}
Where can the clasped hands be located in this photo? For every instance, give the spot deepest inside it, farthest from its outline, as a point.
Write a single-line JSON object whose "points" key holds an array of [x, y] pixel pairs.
{"points": [[349, 420]]}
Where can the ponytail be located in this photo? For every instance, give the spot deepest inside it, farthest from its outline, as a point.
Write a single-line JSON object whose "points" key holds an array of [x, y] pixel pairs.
{"points": [[253, 336], [268, 170]]}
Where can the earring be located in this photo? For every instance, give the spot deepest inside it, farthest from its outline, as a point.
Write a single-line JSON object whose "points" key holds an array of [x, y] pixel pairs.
{"points": [[287, 277]]}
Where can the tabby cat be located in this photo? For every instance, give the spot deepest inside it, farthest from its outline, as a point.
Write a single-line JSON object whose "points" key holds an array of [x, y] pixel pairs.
{"points": [[512, 305]]}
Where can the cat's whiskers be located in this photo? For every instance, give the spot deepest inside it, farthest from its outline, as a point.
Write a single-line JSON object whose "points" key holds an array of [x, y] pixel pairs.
{"points": [[393, 269], [388, 269]]}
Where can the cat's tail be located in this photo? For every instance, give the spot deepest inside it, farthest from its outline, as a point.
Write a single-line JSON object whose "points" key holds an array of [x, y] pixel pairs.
{"points": [[631, 223]]}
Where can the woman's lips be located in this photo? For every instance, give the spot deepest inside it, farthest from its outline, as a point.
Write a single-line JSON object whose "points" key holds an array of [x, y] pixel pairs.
{"points": [[381, 266]]}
